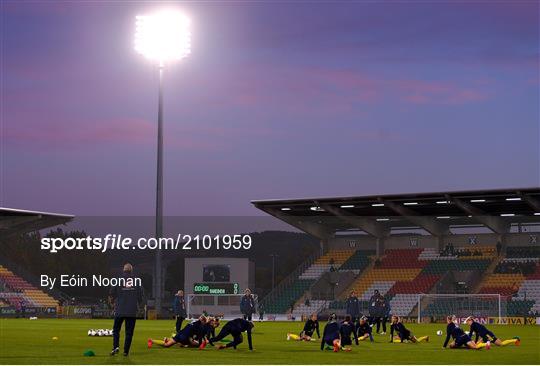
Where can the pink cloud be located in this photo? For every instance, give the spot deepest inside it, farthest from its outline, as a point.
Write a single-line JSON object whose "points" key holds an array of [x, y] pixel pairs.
{"points": [[438, 92], [68, 133], [338, 91]]}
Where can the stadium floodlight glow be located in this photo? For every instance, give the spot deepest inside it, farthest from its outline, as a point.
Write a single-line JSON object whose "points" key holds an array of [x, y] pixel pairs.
{"points": [[377, 205], [442, 202], [316, 208], [537, 214], [478, 201], [163, 36], [410, 203], [514, 199], [346, 206], [383, 219], [443, 217], [285, 209], [508, 215]]}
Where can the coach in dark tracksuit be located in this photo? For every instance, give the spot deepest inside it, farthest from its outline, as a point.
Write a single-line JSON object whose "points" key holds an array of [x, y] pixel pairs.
{"points": [[353, 307], [235, 328], [126, 302], [247, 305], [179, 308]]}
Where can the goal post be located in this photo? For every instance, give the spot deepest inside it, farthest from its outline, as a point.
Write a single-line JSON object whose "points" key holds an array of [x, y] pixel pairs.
{"points": [[437, 306], [227, 305]]}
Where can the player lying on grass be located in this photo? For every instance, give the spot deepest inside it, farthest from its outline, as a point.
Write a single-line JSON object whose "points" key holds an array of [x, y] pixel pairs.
{"points": [[311, 326], [403, 334], [187, 337], [487, 336], [363, 329], [331, 335], [235, 328], [345, 331], [459, 336]]}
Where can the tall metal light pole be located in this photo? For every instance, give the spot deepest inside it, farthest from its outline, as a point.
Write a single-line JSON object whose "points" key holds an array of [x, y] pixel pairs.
{"points": [[163, 37], [159, 196], [273, 269]]}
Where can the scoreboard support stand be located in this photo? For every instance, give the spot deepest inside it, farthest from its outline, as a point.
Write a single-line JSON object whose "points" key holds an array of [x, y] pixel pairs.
{"points": [[226, 304]]}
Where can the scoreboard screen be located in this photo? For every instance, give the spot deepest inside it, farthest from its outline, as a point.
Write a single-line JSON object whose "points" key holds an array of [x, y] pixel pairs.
{"points": [[216, 288]]}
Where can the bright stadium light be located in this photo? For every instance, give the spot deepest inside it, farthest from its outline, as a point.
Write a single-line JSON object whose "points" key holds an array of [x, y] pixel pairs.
{"points": [[163, 36]]}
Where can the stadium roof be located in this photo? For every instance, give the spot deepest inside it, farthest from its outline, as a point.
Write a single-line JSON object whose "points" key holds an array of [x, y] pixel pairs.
{"points": [[15, 221], [435, 212]]}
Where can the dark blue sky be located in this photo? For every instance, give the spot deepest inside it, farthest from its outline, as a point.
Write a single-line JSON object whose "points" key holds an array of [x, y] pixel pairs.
{"points": [[276, 100]]}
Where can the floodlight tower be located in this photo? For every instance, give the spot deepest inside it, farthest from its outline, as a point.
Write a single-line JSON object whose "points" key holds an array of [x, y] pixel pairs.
{"points": [[161, 37]]}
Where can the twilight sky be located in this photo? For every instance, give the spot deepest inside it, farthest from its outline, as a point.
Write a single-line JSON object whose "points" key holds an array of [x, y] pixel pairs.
{"points": [[277, 100]]}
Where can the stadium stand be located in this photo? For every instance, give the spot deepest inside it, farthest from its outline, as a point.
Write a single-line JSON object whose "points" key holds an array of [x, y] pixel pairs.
{"points": [[517, 277], [17, 291], [402, 274], [358, 261], [290, 296], [333, 259]]}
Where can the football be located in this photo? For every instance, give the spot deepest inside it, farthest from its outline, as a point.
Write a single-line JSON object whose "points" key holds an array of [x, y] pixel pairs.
{"points": [[439, 332]]}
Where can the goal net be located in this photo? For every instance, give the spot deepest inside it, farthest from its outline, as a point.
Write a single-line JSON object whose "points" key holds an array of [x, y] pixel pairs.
{"points": [[435, 307], [225, 305]]}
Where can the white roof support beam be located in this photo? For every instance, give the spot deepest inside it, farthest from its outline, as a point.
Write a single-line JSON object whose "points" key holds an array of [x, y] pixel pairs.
{"points": [[429, 224], [495, 224], [534, 203], [366, 224], [317, 230]]}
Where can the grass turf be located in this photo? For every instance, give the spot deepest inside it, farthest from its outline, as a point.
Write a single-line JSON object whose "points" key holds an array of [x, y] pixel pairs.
{"points": [[24, 341]]}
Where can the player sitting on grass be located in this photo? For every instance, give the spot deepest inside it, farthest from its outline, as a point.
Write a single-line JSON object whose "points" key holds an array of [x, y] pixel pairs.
{"points": [[345, 331], [312, 325], [363, 329], [487, 336], [459, 336], [187, 337], [403, 334], [235, 328], [331, 336]]}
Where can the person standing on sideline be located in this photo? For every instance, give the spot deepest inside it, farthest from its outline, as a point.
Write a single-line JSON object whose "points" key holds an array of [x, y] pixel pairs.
{"points": [[247, 305], [179, 308], [373, 307], [353, 307], [126, 301], [385, 314]]}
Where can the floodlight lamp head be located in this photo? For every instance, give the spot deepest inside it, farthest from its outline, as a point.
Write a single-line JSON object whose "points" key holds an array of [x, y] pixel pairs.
{"points": [[163, 36]]}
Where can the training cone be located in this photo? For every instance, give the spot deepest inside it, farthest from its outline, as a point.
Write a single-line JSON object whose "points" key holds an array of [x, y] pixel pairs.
{"points": [[89, 353]]}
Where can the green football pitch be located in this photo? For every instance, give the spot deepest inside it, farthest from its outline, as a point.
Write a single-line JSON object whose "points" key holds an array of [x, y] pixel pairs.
{"points": [[24, 341]]}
